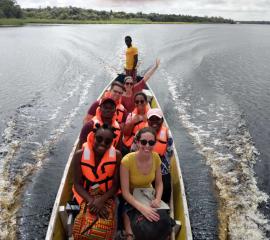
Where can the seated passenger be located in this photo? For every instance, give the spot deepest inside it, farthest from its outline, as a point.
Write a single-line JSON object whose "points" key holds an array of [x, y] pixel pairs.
{"points": [[138, 170], [163, 147], [135, 120], [96, 181], [131, 89], [116, 91], [105, 114]]}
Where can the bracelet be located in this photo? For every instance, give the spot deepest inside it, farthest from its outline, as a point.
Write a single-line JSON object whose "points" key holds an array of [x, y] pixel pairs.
{"points": [[90, 203]]}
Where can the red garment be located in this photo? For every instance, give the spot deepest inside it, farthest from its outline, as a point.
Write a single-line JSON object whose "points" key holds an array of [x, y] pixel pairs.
{"points": [[128, 102]]}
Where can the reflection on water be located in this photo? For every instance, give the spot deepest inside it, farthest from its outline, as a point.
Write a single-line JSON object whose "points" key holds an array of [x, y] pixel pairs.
{"points": [[213, 87]]}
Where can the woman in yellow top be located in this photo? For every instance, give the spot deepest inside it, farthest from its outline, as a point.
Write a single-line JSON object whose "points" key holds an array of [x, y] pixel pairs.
{"points": [[138, 170]]}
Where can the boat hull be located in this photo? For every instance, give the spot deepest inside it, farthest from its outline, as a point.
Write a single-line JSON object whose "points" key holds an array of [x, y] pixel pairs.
{"points": [[179, 209]]}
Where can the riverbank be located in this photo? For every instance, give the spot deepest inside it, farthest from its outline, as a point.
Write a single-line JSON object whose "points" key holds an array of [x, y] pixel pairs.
{"points": [[24, 21]]}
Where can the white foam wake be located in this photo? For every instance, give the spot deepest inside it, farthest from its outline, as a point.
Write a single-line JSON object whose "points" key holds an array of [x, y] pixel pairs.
{"points": [[10, 190], [232, 169]]}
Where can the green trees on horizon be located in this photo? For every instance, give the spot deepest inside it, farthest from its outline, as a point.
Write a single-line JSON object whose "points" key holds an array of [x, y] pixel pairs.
{"points": [[75, 13], [10, 9]]}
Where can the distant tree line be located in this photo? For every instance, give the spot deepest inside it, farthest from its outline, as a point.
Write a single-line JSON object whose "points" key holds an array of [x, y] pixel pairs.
{"points": [[255, 22], [10, 9], [75, 13]]}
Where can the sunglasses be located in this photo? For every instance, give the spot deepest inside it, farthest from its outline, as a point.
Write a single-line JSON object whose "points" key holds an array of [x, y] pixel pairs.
{"points": [[155, 119], [129, 83], [101, 139], [115, 91], [150, 142], [139, 101]]}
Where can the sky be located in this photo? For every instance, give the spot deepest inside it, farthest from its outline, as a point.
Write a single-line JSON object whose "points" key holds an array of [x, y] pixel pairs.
{"points": [[250, 10]]}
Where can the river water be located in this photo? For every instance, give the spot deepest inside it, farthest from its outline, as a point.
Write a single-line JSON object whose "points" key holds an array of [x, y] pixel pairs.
{"points": [[213, 86]]}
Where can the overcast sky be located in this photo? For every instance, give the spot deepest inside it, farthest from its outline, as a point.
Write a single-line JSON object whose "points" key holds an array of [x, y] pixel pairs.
{"points": [[234, 9]]}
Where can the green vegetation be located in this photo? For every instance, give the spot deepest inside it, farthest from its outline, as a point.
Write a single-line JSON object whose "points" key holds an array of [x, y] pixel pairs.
{"points": [[11, 21], [9, 9], [12, 14], [73, 13]]}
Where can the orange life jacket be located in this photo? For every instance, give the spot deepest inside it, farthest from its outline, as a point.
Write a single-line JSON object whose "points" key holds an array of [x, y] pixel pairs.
{"points": [[97, 119], [120, 109], [102, 174], [128, 140], [161, 141]]}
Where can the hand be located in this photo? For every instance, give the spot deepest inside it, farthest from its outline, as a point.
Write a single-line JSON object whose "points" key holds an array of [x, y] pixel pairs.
{"points": [[150, 213], [137, 118], [155, 203], [97, 205], [104, 213]]}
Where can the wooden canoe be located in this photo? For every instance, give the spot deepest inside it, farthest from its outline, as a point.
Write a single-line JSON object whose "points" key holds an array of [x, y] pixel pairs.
{"points": [[179, 209]]}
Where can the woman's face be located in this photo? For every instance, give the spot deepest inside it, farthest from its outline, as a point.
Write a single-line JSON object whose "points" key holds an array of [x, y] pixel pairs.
{"points": [[103, 140], [155, 122], [140, 102], [146, 143], [128, 84]]}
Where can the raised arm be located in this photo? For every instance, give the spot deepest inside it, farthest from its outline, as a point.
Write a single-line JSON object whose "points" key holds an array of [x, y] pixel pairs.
{"points": [[151, 71]]}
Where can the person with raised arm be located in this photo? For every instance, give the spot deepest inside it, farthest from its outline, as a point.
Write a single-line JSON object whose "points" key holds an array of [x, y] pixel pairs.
{"points": [[131, 87]]}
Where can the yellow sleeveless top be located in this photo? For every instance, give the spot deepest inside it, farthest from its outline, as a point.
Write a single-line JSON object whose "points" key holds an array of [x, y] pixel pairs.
{"points": [[136, 178]]}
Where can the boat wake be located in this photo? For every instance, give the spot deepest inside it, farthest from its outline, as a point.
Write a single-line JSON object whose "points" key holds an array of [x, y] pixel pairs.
{"points": [[220, 134], [27, 142]]}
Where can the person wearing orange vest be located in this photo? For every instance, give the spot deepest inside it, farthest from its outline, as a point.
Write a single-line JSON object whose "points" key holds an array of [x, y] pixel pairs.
{"points": [[115, 92], [105, 115], [135, 120], [163, 147], [96, 165]]}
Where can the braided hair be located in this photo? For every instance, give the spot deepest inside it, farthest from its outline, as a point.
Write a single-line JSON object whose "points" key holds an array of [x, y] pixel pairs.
{"points": [[105, 126]]}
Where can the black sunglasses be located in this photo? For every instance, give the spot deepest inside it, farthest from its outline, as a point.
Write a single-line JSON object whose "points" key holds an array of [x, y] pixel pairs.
{"points": [[101, 139], [139, 101], [150, 142], [129, 83], [115, 91]]}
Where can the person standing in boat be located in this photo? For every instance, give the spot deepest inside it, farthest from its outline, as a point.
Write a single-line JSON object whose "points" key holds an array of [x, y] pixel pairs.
{"points": [[163, 147], [136, 120], [96, 182], [116, 91], [138, 170], [131, 58], [105, 114], [131, 87]]}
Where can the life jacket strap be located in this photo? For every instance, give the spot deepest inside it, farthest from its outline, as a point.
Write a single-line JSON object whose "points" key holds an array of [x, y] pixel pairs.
{"points": [[94, 170]]}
